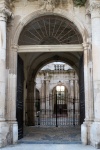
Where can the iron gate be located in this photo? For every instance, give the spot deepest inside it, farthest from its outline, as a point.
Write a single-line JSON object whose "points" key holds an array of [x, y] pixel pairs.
{"points": [[19, 103], [54, 111]]}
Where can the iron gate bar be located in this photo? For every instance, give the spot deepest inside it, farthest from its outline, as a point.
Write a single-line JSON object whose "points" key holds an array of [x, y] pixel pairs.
{"points": [[64, 112], [56, 111]]}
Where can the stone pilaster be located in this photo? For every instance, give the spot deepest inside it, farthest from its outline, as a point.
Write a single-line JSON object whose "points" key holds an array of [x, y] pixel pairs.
{"points": [[86, 88], [4, 126], [11, 97], [71, 95], [42, 106], [47, 92], [95, 20], [84, 126]]}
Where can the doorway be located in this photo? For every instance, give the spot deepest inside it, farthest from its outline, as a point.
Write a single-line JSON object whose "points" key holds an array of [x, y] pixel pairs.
{"points": [[58, 37]]}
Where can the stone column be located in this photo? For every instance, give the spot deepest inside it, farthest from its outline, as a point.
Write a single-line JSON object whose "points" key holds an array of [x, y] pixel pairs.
{"points": [[11, 97], [77, 103], [4, 128], [85, 46], [85, 126], [71, 96], [47, 94], [72, 87], [42, 106], [95, 20]]}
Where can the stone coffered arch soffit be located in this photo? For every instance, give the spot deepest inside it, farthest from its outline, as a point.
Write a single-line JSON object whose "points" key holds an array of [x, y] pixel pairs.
{"points": [[57, 12]]}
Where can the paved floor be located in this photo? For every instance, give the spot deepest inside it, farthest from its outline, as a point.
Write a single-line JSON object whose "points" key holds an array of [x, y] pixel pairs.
{"points": [[51, 138], [49, 147], [52, 135]]}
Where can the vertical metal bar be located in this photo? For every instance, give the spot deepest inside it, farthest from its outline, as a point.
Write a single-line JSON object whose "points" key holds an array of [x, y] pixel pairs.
{"points": [[56, 110], [73, 112]]}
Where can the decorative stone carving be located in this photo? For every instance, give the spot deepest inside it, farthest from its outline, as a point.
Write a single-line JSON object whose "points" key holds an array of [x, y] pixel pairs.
{"points": [[95, 6], [48, 5], [95, 9], [6, 12]]}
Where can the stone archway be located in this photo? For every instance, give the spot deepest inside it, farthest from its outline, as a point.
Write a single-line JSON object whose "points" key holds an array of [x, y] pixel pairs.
{"points": [[58, 12], [46, 30], [81, 29]]}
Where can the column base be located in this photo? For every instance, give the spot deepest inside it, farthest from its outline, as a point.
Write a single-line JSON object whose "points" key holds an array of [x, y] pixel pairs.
{"points": [[8, 133], [85, 132], [14, 132], [95, 134], [4, 133], [84, 135]]}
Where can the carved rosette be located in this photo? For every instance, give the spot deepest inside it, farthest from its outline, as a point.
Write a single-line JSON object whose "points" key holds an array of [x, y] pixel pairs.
{"points": [[95, 9]]}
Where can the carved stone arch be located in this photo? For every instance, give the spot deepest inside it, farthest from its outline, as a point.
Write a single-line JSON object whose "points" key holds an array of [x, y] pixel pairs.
{"points": [[58, 12]]}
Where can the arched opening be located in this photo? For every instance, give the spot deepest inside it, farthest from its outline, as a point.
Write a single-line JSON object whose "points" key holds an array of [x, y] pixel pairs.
{"points": [[61, 99], [58, 84], [50, 30], [45, 31]]}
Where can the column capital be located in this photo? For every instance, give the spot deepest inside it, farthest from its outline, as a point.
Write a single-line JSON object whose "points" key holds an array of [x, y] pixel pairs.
{"points": [[5, 13], [15, 47], [86, 46], [95, 9]]}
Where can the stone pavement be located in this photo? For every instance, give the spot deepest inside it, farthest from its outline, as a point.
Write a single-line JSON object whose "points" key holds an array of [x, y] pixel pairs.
{"points": [[52, 135], [44, 138], [49, 147]]}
